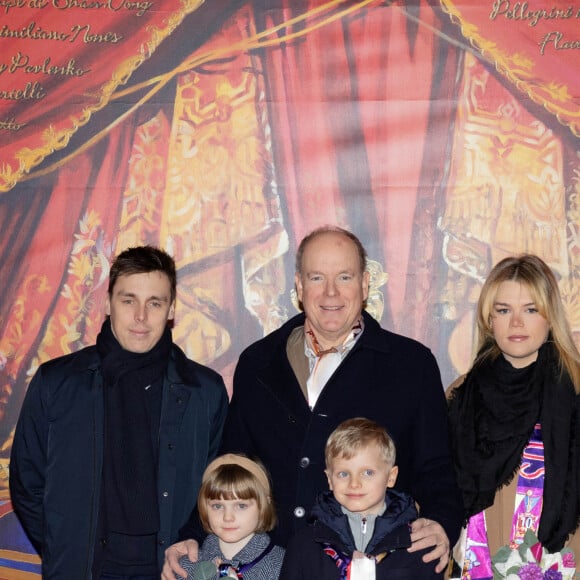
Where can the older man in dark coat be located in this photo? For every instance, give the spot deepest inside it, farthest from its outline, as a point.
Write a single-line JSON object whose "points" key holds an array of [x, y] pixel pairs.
{"points": [[334, 362]]}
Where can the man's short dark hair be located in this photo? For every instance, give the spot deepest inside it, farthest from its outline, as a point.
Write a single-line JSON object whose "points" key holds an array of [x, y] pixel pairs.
{"points": [[141, 260], [362, 253]]}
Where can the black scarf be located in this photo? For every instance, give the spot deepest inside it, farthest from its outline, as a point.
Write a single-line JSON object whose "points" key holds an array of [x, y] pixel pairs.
{"points": [[130, 459], [492, 416]]}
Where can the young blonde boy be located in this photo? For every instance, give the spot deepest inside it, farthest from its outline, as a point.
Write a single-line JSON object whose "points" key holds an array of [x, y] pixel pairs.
{"points": [[360, 529]]}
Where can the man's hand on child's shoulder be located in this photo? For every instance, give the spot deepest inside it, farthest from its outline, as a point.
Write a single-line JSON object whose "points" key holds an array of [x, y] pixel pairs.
{"points": [[426, 534], [171, 567]]}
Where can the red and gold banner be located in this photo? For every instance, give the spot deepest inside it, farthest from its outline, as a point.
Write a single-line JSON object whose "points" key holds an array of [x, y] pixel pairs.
{"points": [[253, 123], [53, 76], [535, 45]]}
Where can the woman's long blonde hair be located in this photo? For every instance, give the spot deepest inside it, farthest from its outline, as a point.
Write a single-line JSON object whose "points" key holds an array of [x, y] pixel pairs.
{"points": [[535, 274]]}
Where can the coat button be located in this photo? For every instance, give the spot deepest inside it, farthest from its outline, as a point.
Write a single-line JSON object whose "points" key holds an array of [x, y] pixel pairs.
{"points": [[304, 462], [291, 419], [165, 494], [299, 512]]}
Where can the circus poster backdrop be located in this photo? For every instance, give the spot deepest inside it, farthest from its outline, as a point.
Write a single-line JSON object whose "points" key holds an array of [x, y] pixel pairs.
{"points": [[445, 134]]}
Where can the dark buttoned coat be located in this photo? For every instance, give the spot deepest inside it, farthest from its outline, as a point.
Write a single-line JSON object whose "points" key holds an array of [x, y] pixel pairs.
{"points": [[386, 377]]}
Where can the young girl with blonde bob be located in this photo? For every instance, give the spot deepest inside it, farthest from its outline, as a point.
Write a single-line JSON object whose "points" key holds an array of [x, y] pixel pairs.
{"points": [[236, 509], [515, 419]]}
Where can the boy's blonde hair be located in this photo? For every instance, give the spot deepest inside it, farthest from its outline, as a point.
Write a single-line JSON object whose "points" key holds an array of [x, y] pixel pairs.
{"points": [[234, 476], [355, 434]]}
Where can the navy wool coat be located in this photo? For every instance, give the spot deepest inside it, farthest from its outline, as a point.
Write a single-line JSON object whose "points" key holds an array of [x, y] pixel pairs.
{"points": [[387, 378], [305, 558], [57, 455]]}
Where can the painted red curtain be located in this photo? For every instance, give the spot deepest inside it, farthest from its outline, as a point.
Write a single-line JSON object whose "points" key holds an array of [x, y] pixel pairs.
{"points": [[359, 106], [60, 63], [57, 66], [348, 103], [535, 45]]}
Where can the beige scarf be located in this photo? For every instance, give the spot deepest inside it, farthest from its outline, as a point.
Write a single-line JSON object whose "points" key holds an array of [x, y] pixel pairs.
{"points": [[323, 363]]}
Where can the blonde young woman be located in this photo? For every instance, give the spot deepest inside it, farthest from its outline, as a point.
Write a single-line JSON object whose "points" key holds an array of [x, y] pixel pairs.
{"points": [[519, 400]]}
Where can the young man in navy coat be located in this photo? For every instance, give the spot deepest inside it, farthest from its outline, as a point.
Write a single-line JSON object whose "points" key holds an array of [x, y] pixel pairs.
{"points": [[331, 363], [112, 441]]}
